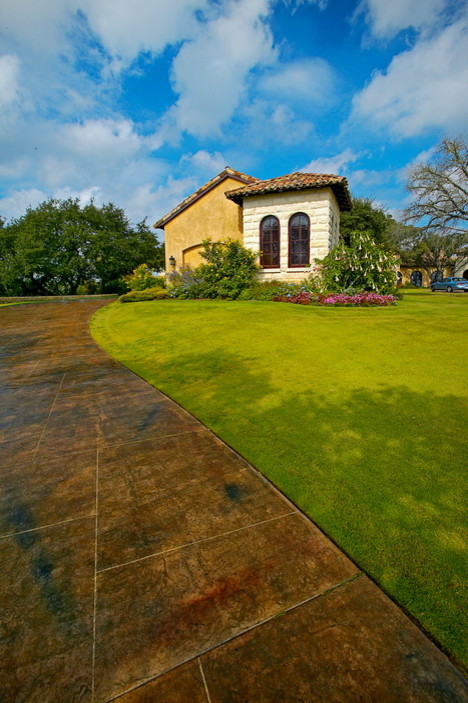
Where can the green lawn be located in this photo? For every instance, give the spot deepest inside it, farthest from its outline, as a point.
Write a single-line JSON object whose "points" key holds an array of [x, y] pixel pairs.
{"points": [[358, 415]]}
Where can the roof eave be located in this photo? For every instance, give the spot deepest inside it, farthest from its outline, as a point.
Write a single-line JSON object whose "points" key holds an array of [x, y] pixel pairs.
{"points": [[161, 223], [342, 196]]}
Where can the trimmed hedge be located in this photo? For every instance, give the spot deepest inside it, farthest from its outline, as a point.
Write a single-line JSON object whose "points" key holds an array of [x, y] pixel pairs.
{"points": [[138, 296]]}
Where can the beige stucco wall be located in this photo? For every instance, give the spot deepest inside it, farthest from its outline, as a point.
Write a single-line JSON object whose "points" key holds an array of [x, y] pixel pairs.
{"points": [[406, 272], [191, 256], [461, 268], [211, 216], [321, 207]]}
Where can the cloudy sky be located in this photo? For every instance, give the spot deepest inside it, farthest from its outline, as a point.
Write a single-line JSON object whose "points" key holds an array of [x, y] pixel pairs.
{"points": [[139, 102]]}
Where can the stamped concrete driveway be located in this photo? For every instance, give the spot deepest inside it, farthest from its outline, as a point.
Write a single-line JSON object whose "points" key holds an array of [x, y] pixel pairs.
{"points": [[142, 559]]}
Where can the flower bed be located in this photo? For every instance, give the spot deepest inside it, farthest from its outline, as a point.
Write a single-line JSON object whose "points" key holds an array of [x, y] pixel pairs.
{"points": [[339, 299]]}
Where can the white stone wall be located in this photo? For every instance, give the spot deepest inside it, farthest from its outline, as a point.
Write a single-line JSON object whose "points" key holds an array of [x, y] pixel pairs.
{"points": [[334, 222], [321, 207]]}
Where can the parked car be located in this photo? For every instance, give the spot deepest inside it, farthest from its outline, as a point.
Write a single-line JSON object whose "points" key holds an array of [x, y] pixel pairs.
{"points": [[450, 285]]}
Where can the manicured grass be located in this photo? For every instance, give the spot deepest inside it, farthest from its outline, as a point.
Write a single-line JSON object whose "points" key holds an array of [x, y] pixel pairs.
{"points": [[358, 415]]}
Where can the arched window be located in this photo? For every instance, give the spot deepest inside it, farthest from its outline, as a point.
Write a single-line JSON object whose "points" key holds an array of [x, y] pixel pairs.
{"points": [[416, 279], [465, 275], [299, 240], [436, 276], [270, 242]]}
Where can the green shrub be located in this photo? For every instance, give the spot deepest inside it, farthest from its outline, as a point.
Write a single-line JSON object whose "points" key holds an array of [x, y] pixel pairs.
{"points": [[229, 269], [268, 290], [142, 278], [362, 264], [137, 296]]}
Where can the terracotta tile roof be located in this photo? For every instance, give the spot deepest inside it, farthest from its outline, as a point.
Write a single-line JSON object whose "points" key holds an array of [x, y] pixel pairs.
{"points": [[296, 181], [227, 173]]}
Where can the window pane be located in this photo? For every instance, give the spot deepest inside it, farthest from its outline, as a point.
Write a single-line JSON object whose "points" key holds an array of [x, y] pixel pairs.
{"points": [[299, 240], [269, 242]]}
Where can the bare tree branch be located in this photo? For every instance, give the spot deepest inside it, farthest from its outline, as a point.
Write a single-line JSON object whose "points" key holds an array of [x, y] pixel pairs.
{"points": [[440, 190]]}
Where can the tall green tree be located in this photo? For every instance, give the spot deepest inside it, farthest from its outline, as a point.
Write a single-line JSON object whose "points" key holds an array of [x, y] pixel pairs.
{"points": [[366, 216], [60, 245]]}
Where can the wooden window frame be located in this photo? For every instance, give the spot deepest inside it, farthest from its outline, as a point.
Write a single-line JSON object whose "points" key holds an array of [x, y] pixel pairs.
{"points": [[301, 265], [270, 266]]}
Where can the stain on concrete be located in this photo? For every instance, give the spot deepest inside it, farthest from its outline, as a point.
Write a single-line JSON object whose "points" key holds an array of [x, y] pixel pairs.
{"points": [[149, 419], [233, 492]]}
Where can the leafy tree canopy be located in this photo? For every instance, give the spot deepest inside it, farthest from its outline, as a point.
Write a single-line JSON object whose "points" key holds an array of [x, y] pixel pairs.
{"points": [[366, 216], [60, 246]]}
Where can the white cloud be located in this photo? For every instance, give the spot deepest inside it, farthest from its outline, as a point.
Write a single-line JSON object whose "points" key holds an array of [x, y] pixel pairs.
{"points": [[158, 200], [36, 26], [124, 30], [421, 88], [84, 196], [321, 4], [388, 17], [205, 162], [16, 204], [422, 157], [127, 29], [13, 168], [98, 150], [107, 139], [307, 80], [9, 80], [210, 72], [269, 123], [332, 164]]}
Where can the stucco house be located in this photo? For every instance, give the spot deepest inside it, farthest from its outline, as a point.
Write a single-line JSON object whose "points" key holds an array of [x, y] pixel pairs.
{"points": [[290, 220]]}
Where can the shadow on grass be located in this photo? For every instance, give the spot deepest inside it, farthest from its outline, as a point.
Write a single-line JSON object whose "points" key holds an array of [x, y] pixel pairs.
{"points": [[380, 470]]}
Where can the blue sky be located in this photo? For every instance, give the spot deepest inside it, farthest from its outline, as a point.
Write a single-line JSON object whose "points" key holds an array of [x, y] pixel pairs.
{"points": [[139, 102]]}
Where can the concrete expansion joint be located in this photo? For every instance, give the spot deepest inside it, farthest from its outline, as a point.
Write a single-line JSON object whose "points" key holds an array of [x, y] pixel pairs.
{"points": [[48, 416], [198, 541], [238, 635], [96, 537], [208, 697], [48, 526]]}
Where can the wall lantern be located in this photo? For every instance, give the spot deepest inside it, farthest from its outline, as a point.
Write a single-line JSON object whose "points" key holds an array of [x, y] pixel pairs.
{"points": [[172, 261]]}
